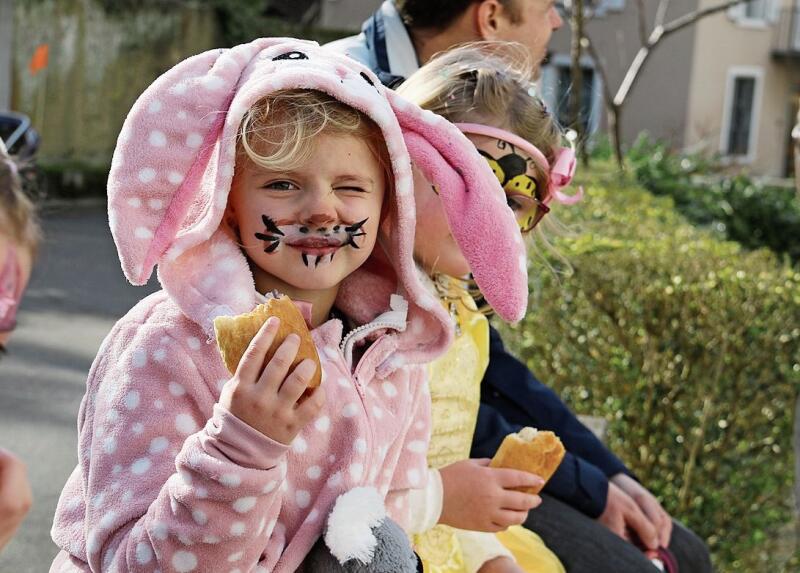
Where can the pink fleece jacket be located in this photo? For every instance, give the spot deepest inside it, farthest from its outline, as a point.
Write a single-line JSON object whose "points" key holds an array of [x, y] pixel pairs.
{"points": [[167, 480]]}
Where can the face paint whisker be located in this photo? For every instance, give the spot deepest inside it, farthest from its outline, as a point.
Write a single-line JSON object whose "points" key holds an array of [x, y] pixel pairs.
{"points": [[354, 231], [271, 226], [271, 248], [355, 226]]}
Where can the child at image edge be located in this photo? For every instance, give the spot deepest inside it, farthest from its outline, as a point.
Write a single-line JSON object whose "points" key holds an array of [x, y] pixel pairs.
{"points": [[267, 167]]}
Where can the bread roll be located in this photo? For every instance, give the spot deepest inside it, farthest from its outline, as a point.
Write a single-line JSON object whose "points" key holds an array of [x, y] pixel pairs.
{"points": [[532, 451], [234, 334]]}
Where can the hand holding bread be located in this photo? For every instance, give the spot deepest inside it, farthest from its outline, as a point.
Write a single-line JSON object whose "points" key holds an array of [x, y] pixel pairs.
{"points": [[494, 502], [274, 388], [234, 333], [532, 451]]}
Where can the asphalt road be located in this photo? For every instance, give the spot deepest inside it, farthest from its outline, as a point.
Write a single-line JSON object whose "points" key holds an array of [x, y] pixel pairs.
{"points": [[76, 293]]}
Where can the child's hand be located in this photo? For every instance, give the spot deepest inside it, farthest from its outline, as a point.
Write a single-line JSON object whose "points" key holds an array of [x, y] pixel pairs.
{"points": [[480, 498], [269, 400], [501, 565], [15, 495]]}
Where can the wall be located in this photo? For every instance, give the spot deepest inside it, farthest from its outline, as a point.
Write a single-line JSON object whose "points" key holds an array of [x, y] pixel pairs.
{"points": [[6, 49], [99, 64]]}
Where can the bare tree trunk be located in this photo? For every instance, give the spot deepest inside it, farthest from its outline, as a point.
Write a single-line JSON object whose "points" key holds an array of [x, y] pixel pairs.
{"points": [[576, 22], [796, 136], [613, 111], [615, 126]]}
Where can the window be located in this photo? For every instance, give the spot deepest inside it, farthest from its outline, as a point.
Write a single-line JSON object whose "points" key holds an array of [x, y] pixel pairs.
{"points": [[555, 87], [563, 94], [741, 113], [755, 13], [603, 6], [741, 116], [755, 10]]}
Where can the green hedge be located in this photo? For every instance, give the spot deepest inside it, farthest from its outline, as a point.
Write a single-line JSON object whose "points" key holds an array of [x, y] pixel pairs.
{"points": [[690, 347], [738, 207]]}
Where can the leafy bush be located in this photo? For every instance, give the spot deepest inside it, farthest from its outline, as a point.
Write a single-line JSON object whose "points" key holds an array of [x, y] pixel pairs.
{"points": [[690, 347], [738, 207]]}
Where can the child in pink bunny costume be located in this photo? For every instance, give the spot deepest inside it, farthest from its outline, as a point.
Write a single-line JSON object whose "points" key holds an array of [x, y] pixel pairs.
{"points": [[220, 180]]}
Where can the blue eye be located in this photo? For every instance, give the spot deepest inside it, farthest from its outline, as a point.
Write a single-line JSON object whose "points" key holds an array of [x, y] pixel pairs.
{"points": [[281, 186]]}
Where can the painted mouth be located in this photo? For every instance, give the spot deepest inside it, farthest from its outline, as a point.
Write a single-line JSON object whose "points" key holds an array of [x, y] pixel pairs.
{"points": [[316, 250], [315, 243]]}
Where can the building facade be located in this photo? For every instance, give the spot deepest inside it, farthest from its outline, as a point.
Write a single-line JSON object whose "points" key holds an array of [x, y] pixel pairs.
{"points": [[729, 84]]}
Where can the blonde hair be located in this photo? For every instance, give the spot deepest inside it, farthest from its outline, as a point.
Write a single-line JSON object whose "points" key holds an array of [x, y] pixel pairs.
{"points": [[18, 218], [278, 132], [491, 83]]}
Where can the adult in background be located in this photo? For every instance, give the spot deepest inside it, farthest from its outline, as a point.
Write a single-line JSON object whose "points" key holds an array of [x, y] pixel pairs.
{"points": [[402, 35], [594, 511], [19, 234]]}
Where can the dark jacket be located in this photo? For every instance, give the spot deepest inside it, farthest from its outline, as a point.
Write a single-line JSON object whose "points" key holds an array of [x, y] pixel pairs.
{"points": [[511, 398]]}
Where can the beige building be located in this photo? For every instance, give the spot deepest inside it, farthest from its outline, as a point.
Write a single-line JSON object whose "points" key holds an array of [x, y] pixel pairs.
{"points": [[728, 84]]}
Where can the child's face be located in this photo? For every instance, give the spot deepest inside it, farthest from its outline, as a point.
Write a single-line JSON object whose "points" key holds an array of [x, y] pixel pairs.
{"points": [[435, 249], [15, 270], [311, 227], [515, 171]]}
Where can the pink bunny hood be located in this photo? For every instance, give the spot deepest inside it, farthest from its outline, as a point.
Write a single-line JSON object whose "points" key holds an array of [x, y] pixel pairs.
{"points": [[174, 163]]}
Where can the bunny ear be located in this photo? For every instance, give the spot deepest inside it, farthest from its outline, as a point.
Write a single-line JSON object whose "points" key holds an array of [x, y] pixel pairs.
{"points": [[474, 203], [168, 150]]}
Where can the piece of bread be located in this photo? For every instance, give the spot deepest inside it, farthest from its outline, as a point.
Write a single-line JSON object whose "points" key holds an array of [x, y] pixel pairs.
{"points": [[234, 334], [532, 451]]}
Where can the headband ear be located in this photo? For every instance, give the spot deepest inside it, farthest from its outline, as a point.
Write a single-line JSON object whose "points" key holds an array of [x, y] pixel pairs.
{"points": [[169, 150], [474, 203], [561, 174]]}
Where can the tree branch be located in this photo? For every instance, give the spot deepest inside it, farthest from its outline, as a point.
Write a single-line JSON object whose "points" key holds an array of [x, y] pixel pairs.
{"points": [[658, 34], [642, 24], [692, 17], [661, 13]]}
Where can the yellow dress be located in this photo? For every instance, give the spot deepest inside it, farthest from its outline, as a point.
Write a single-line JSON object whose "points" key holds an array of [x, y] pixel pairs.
{"points": [[455, 380]]}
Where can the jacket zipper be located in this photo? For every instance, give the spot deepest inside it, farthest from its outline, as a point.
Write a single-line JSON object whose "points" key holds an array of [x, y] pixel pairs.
{"points": [[396, 321]]}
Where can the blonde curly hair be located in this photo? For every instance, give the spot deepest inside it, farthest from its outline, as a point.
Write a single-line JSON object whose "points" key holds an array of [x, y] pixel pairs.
{"points": [[278, 132]]}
